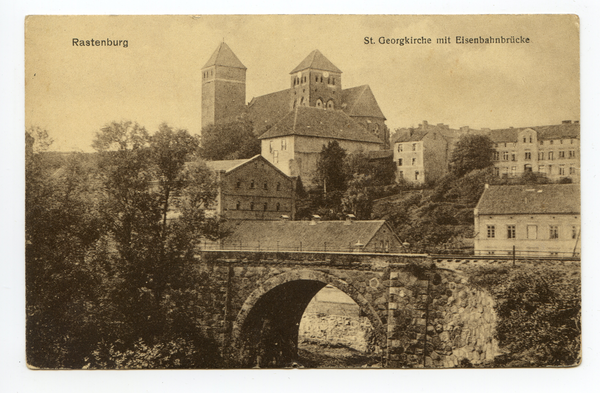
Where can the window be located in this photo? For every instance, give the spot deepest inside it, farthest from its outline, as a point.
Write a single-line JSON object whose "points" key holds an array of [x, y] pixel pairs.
{"points": [[549, 169], [513, 170], [278, 186], [504, 156], [416, 175], [542, 169], [265, 206], [414, 161], [561, 141], [399, 161], [527, 168], [513, 156], [251, 205], [531, 231], [524, 139], [400, 147], [528, 155], [561, 170], [511, 232], [572, 141], [330, 104], [573, 232], [541, 142], [319, 103], [237, 205], [551, 155], [572, 170], [276, 157], [530, 139], [553, 231], [496, 171], [284, 144], [238, 184], [401, 175], [277, 207], [414, 147], [571, 153], [561, 154], [265, 186], [491, 231], [251, 183], [551, 142], [541, 156], [496, 156]]}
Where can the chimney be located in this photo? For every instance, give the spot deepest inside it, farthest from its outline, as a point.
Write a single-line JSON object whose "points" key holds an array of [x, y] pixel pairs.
{"points": [[284, 218], [349, 219], [566, 121], [425, 125]]}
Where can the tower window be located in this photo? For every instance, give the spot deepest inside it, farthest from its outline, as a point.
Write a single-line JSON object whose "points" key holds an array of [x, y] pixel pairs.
{"points": [[237, 205], [330, 104], [265, 207], [265, 186], [251, 183], [251, 205], [278, 186], [319, 103], [238, 184], [277, 206]]}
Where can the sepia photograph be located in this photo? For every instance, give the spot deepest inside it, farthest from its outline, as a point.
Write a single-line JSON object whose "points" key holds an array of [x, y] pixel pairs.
{"points": [[302, 191]]}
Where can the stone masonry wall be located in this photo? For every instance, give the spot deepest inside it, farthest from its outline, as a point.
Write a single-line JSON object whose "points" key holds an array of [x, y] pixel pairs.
{"points": [[437, 320]]}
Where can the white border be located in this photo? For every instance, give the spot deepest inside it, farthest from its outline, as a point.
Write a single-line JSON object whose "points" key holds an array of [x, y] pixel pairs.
{"points": [[15, 377]]}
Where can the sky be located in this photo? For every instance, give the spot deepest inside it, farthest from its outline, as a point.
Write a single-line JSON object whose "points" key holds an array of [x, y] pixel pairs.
{"points": [[73, 91]]}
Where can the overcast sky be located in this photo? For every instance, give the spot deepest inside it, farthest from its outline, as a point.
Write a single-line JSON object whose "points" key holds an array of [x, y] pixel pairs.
{"points": [[73, 91]]}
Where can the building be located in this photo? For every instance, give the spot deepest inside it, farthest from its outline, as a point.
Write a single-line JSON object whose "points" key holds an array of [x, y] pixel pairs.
{"points": [[223, 87], [314, 110], [421, 155], [315, 235], [252, 189], [552, 151], [294, 143], [537, 220]]}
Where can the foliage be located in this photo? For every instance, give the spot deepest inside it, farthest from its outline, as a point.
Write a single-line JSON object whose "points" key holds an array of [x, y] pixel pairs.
{"points": [[539, 313], [229, 141], [471, 152], [331, 173], [124, 292], [357, 199]]}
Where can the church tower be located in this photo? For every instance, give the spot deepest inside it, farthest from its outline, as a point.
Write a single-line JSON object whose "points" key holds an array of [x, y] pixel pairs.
{"points": [[223, 87], [316, 82]]}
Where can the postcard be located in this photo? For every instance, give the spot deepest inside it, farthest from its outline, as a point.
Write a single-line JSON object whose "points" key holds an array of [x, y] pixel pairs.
{"points": [[303, 191]]}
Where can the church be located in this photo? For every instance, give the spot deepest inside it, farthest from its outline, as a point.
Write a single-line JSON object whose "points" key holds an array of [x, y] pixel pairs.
{"points": [[295, 123]]}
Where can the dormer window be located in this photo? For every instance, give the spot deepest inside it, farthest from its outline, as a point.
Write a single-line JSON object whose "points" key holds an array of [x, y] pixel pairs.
{"points": [[319, 103], [330, 104]]}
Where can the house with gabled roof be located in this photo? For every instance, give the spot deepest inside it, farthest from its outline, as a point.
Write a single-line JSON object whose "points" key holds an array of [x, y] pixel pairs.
{"points": [[252, 189], [314, 235], [535, 219]]}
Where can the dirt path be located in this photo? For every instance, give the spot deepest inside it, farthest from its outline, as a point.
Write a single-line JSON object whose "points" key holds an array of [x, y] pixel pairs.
{"points": [[320, 356]]}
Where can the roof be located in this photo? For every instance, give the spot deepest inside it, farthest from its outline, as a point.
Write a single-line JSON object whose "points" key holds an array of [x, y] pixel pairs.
{"points": [[316, 61], [334, 235], [316, 122], [265, 110], [557, 131], [415, 136], [224, 56], [531, 199], [225, 165], [360, 101], [379, 154]]}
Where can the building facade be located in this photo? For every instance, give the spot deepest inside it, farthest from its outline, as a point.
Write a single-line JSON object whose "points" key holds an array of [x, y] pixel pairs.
{"points": [[252, 189], [552, 151], [537, 220], [421, 155]]}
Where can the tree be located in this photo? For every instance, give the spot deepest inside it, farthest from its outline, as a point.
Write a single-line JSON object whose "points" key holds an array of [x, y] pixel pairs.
{"points": [[229, 141], [471, 152], [357, 198], [331, 171]]}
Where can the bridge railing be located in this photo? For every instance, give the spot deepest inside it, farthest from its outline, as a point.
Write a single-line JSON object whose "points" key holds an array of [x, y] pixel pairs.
{"points": [[299, 247]]}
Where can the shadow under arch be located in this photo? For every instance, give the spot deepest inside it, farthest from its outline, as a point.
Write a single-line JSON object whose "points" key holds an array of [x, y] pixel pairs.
{"points": [[265, 331]]}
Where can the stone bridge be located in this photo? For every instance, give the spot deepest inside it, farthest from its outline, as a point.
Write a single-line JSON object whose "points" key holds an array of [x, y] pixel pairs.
{"points": [[422, 315]]}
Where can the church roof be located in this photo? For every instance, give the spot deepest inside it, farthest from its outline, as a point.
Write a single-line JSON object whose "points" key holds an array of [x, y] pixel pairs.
{"points": [[316, 122], [308, 235], [360, 102], [316, 61], [224, 56], [265, 110], [531, 199]]}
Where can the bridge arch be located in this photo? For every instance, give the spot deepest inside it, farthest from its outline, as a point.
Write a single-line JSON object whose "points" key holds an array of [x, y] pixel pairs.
{"points": [[265, 331]]}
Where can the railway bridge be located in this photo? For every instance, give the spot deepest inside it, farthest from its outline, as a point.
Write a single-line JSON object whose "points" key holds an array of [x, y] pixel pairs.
{"points": [[421, 315]]}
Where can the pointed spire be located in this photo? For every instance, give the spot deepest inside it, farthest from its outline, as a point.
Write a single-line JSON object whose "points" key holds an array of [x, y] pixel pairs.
{"points": [[224, 56], [316, 61]]}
